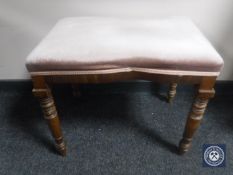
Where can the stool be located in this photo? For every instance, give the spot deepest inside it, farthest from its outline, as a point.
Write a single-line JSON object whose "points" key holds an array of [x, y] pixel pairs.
{"points": [[104, 49]]}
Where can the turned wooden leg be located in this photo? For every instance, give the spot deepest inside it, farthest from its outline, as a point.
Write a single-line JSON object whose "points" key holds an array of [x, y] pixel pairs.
{"points": [[172, 92], [75, 90], [50, 114], [195, 116]]}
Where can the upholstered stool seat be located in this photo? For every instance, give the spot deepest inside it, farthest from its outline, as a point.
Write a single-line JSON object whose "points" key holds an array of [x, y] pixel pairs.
{"points": [[169, 46], [103, 50]]}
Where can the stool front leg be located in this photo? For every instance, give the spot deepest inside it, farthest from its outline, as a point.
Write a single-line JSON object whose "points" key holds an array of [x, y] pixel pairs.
{"points": [[194, 118], [50, 114]]}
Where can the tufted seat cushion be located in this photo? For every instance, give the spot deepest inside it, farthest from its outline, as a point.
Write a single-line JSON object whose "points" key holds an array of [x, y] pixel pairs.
{"points": [[169, 46]]}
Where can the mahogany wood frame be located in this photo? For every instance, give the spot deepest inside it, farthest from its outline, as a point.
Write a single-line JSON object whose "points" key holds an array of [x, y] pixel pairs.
{"points": [[205, 91]]}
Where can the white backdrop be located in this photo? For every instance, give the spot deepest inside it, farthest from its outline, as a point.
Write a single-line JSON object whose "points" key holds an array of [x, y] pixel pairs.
{"points": [[24, 22]]}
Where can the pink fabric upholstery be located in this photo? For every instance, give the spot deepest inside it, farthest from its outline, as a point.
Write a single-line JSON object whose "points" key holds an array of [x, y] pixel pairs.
{"points": [[97, 43]]}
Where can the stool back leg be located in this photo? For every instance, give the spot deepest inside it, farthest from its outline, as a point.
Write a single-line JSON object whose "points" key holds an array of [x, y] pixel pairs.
{"points": [[44, 95], [75, 90], [204, 93], [172, 92]]}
